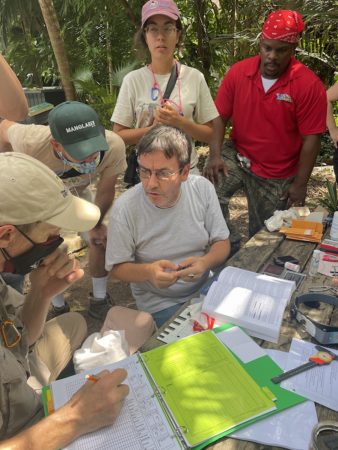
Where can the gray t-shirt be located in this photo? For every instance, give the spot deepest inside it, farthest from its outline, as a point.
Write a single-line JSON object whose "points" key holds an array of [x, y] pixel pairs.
{"points": [[140, 232]]}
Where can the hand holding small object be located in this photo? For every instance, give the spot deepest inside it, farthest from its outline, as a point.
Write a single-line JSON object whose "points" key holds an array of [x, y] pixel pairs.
{"points": [[191, 269]]}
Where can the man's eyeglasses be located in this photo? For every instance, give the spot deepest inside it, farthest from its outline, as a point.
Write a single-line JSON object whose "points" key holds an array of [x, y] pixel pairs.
{"points": [[161, 175], [154, 30]]}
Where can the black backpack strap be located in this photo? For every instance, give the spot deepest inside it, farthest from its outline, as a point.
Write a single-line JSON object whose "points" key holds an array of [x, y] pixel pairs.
{"points": [[171, 82]]}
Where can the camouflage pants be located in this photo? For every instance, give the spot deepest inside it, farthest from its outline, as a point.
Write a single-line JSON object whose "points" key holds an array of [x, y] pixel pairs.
{"points": [[263, 194]]}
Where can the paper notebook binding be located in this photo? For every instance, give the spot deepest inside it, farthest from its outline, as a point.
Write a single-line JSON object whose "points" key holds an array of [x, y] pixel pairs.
{"points": [[158, 391], [213, 357]]}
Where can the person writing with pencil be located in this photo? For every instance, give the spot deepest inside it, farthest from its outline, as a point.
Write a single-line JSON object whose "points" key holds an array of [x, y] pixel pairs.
{"points": [[34, 205]]}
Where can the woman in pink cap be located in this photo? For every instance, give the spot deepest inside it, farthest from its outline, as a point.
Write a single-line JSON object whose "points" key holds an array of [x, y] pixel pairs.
{"points": [[141, 103]]}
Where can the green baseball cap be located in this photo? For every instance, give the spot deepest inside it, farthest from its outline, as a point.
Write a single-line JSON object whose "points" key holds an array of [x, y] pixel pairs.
{"points": [[76, 126]]}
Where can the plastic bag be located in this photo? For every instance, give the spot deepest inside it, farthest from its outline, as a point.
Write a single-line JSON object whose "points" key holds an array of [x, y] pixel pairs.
{"points": [[99, 349], [280, 219]]}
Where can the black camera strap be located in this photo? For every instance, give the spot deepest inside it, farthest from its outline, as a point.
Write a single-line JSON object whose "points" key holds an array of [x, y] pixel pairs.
{"points": [[171, 82]]}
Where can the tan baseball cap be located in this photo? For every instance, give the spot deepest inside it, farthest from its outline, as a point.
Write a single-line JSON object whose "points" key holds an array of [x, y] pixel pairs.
{"points": [[31, 192]]}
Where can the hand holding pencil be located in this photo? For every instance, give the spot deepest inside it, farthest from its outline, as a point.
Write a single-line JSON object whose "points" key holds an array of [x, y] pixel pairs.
{"points": [[92, 378], [98, 403]]}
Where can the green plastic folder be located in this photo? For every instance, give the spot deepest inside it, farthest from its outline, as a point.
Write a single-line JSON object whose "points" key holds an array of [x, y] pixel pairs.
{"points": [[209, 392]]}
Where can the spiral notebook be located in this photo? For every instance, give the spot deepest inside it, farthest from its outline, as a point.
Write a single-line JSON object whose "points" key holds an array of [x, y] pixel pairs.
{"points": [[183, 395]]}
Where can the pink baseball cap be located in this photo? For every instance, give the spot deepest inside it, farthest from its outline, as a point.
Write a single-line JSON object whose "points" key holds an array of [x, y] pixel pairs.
{"points": [[164, 7]]}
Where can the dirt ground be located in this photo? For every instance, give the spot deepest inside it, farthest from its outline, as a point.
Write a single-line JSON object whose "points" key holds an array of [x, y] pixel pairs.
{"points": [[77, 295]]}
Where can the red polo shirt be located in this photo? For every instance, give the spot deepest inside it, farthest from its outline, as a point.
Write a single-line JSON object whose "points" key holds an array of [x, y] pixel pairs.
{"points": [[268, 127]]}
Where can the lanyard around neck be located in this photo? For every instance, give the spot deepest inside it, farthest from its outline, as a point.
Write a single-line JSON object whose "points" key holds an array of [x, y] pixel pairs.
{"points": [[156, 92]]}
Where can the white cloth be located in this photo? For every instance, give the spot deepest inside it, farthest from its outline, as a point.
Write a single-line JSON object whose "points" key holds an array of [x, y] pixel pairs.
{"points": [[280, 219], [135, 106], [140, 232], [100, 349]]}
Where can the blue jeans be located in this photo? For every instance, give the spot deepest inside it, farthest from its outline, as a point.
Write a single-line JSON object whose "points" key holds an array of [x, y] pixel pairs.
{"points": [[162, 316]]}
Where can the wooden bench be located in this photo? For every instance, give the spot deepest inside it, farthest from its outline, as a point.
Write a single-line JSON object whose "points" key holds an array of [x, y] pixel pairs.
{"points": [[256, 253]]}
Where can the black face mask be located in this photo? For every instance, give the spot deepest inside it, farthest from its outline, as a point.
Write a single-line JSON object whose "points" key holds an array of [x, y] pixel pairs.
{"points": [[31, 259]]}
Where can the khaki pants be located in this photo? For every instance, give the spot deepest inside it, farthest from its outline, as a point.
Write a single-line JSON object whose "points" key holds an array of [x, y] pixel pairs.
{"points": [[138, 325], [263, 194], [53, 351]]}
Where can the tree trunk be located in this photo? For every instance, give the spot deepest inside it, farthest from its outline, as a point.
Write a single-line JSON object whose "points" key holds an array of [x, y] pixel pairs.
{"points": [[234, 31], [109, 59], [203, 38], [53, 28]]}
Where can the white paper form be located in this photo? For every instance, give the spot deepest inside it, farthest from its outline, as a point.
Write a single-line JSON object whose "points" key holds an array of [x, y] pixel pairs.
{"points": [[133, 429], [241, 344], [289, 429], [254, 301], [319, 384]]}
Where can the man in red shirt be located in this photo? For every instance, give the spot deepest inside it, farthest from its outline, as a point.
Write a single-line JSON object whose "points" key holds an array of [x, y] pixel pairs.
{"points": [[277, 107]]}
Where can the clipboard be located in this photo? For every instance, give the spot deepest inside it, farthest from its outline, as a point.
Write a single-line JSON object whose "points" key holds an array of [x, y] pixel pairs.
{"points": [[259, 371]]}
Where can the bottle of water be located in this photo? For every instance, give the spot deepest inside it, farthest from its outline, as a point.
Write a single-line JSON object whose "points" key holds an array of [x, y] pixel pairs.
{"points": [[314, 263]]}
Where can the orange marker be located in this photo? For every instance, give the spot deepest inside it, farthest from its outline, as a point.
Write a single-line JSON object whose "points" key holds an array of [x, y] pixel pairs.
{"points": [[92, 378]]}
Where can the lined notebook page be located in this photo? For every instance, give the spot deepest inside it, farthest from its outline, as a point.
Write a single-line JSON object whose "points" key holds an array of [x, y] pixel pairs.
{"points": [[134, 429]]}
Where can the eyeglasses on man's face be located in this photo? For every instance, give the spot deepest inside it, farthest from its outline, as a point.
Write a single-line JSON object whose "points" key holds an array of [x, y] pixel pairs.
{"points": [[155, 30], [161, 175]]}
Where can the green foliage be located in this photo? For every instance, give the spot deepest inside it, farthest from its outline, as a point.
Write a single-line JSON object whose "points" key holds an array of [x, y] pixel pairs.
{"points": [[330, 201], [327, 149], [31, 59], [97, 95], [98, 35]]}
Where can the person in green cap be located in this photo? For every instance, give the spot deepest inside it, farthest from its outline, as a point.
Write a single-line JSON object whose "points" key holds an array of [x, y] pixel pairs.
{"points": [[78, 149]]}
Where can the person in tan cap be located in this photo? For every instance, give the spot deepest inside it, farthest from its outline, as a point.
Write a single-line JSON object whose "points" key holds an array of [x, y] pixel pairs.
{"points": [[277, 107], [34, 205], [78, 149]]}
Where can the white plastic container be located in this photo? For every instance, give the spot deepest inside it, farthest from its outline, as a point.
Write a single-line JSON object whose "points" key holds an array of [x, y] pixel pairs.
{"points": [[334, 227], [290, 266], [314, 263]]}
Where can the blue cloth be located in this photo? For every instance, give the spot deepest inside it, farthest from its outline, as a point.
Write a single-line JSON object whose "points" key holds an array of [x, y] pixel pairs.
{"points": [[161, 317]]}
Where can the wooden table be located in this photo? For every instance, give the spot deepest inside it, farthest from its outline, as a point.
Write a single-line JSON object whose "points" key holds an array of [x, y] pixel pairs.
{"points": [[256, 253]]}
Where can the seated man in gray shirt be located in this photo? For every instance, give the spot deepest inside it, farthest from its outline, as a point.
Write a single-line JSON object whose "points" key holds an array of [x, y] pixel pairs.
{"points": [[166, 233]]}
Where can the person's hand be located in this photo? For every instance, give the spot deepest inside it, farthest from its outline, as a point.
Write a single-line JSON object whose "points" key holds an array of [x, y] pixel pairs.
{"points": [[97, 404], [167, 115], [98, 235], [334, 136], [162, 273], [215, 167], [193, 269], [55, 274], [295, 195]]}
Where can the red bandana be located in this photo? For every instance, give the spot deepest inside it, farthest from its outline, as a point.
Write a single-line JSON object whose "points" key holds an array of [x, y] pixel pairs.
{"points": [[283, 25]]}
